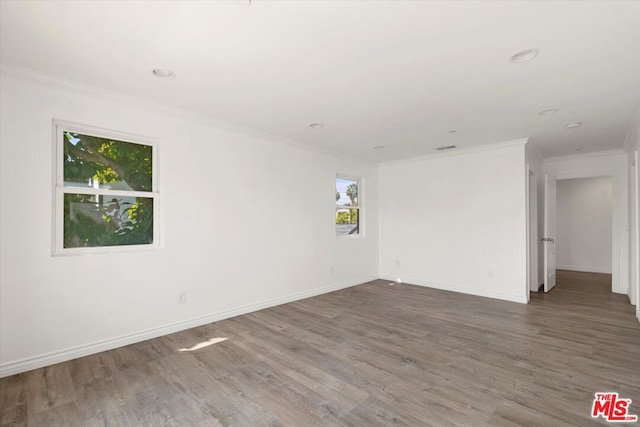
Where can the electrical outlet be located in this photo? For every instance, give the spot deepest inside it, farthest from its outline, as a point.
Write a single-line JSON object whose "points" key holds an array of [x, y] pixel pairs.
{"points": [[397, 263], [331, 270], [182, 297]]}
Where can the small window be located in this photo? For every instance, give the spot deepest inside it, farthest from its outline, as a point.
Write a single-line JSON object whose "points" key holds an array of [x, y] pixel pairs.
{"points": [[106, 190], [348, 207]]}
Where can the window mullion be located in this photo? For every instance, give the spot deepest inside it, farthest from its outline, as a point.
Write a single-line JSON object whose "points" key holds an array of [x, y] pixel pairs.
{"points": [[107, 192]]}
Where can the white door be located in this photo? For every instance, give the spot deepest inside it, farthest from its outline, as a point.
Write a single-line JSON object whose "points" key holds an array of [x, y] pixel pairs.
{"points": [[549, 232]]}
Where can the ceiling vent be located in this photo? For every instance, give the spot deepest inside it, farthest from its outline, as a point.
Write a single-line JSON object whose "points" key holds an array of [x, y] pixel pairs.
{"points": [[446, 147]]}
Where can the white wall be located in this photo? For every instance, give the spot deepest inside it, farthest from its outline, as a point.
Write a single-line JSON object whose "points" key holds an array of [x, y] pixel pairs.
{"points": [[584, 224], [613, 164], [457, 222], [634, 295], [636, 219], [247, 224], [632, 148]]}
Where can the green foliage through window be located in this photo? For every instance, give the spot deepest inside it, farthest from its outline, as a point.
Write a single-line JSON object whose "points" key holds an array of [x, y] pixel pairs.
{"points": [[107, 221], [349, 216], [116, 164], [106, 212]]}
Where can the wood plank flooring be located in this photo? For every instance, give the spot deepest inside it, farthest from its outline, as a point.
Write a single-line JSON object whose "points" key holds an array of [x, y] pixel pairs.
{"points": [[370, 355]]}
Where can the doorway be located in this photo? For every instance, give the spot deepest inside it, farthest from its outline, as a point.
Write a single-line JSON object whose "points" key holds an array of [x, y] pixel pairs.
{"points": [[584, 225]]}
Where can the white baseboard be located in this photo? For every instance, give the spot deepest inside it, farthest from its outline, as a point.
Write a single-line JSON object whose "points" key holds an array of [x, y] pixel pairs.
{"points": [[482, 293], [583, 269], [47, 359]]}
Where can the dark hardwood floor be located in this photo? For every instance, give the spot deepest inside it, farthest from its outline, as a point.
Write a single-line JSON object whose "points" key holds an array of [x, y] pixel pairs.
{"points": [[370, 355]]}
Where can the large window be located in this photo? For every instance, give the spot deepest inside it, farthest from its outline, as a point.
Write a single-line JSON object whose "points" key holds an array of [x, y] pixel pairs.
{"points": [[106, 190], [348, 206]]}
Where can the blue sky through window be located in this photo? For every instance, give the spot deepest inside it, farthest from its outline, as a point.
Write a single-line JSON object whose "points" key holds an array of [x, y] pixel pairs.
{"points": [[341, 186]]}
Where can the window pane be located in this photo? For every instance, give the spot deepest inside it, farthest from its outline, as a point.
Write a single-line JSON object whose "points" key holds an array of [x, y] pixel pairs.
{"points": [[90, 161], [347, 221], [93, 220], [346, 192]]}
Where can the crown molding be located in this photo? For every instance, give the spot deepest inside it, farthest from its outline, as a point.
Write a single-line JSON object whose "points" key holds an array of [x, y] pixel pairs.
{"points": [[459, 152], [594, 154], [175, 112]]}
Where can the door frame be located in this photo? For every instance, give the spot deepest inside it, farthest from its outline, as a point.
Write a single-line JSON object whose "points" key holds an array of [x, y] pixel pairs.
{"points": [[532, 231]]}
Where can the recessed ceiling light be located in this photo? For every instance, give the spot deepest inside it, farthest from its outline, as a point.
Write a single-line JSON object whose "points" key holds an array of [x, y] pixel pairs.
{"points": [[573, 125], [548, 112], [164, 74], [379, 147], [316, 125], [524, 55]]}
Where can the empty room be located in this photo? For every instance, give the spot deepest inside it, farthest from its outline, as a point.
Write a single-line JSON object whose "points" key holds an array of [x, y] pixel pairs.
{"points": [[319, 213]]}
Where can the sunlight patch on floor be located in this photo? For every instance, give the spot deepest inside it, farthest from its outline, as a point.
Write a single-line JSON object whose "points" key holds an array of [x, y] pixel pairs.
{"points": [[204, 344]]}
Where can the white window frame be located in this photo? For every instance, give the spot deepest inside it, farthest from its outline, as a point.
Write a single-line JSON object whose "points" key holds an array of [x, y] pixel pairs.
{"points": [[59, 190], [360, 207]]}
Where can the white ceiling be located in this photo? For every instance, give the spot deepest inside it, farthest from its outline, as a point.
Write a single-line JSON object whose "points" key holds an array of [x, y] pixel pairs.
{"points": [[396, 73]]}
